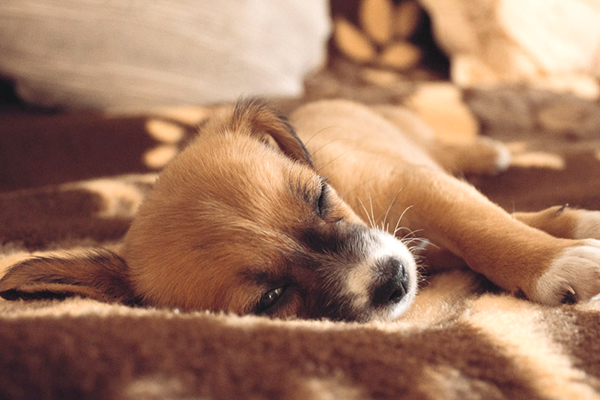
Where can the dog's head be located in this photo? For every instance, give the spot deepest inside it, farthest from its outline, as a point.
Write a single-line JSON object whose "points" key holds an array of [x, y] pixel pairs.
{"points": [[240, 221]]}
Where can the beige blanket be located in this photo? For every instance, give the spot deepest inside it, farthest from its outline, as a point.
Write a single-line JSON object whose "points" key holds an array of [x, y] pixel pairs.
{"points": [[71, 182]]}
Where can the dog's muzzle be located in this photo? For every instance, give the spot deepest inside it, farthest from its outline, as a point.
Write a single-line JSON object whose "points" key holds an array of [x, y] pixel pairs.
{"points": [[383, 283]]}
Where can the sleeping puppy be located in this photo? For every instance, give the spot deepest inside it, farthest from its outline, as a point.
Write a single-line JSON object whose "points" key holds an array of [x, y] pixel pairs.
{"points": [[258, 217]]}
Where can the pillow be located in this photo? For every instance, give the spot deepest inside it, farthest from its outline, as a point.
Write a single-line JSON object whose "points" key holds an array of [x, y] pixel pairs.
{"points": [[134, 53]]}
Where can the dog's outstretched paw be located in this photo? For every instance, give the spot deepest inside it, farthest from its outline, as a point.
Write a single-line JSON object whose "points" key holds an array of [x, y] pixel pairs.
{"points": [[572, 277], [484, 156], [500, 160]]}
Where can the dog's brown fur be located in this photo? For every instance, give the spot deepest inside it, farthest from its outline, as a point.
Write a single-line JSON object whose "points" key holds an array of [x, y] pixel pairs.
{"points": [[243, 219]]}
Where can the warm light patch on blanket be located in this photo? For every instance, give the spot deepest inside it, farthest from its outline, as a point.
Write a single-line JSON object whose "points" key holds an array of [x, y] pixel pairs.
{"points": [[164, 131], [120, 198], [185, 115], [516, 146], [156, 387], [530, 347], [538, 159], [523, 157], [159, 156], [326, 389], [169, 134], [443, 381]]}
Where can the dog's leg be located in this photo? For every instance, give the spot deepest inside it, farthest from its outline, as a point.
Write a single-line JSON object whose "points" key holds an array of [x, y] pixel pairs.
{"points": [[512, 254], [564, 222], [480, 155], [390, 181]]}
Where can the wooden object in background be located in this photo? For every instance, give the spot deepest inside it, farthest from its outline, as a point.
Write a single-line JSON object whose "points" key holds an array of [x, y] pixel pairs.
{"points": [[441, 107], [381, 39], [551, 44], [400, 55], [352, 42], [407, 18], [375, 16]]}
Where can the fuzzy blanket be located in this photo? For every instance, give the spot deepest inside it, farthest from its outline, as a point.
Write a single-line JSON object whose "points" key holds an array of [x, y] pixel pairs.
{"points": [[73, 181]]}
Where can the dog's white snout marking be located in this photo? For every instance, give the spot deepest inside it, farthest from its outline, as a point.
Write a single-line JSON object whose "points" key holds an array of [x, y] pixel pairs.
{"points": [[576, 272], [381, 247]]}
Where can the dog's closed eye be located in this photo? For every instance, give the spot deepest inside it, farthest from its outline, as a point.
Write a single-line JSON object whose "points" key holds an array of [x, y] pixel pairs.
{"points": [[325, 204], [322, 202]]}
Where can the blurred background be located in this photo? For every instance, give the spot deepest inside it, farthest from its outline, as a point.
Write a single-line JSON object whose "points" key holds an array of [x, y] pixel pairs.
{"points": [[92, 54], [97, 88]]}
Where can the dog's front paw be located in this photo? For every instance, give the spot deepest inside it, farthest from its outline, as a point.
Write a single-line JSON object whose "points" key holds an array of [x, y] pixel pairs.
{"points": [[573, 276], [499, 155], [485, 156]]}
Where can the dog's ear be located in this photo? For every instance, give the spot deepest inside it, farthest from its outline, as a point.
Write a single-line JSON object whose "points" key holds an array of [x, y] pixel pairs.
{"points": [[100, 275], [254, 118]]}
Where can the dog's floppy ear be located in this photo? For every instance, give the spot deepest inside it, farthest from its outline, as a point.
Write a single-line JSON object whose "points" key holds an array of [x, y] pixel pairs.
{"points": [[254, 118], [100, 275]]}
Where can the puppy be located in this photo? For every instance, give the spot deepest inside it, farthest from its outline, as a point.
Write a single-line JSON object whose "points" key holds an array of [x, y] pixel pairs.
{"points": [[258, 217]]}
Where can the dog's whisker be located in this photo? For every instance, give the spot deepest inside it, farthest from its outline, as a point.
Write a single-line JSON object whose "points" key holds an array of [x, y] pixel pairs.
{"points": [[364, 208], [416, 239], [372, 212], [395, 233], [421, 274], [317, 133], [385, 227], [387, 212], [331, 161], [425, 242], [420, 246], [429, 243], [322, 147], [368, 216], [411, 233], [396, 228]]}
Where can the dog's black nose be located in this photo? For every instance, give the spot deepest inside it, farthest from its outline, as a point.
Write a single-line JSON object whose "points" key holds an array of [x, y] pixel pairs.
{"points": [[391, 282]]}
